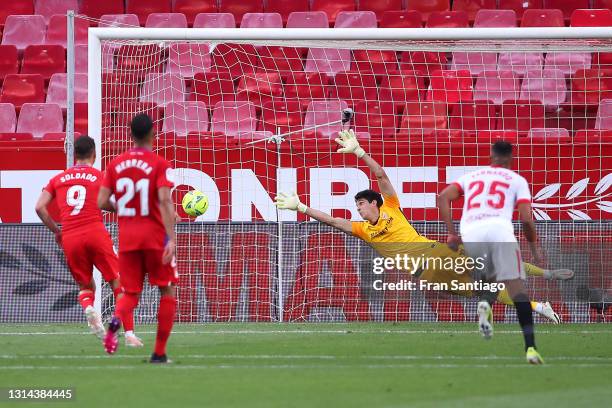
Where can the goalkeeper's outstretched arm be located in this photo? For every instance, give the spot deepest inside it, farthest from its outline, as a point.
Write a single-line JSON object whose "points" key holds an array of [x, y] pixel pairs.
{"points": [[350, 144], [292, 202]]}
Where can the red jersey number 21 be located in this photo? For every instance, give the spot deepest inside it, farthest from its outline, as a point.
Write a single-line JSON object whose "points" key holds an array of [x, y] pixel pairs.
{"points": [[497, 194], [130, 189]]}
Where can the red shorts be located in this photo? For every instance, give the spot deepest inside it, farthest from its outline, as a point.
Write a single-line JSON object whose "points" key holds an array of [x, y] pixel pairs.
{"points": [[136, 264], [84, 251]]}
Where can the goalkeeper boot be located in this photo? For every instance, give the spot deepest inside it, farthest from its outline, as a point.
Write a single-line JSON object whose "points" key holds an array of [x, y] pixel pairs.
{"points": [[558, 274], [131, 340], [111, 341], [533, 357], [94, 321], [548, 312], [157, 359], [485, 320]]}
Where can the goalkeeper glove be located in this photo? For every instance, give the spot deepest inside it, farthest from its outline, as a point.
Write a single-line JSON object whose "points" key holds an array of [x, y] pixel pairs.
{"points": [[289, 202], [349, 143]]}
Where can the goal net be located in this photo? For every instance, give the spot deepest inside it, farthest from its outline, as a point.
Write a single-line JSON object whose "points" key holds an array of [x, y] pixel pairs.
{"points": [[244, 114]]}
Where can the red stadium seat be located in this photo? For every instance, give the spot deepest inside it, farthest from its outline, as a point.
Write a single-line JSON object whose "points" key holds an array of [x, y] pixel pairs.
{"points": [[521, 115], [567, 6], [475, 62], [58, 136], [234, 117], [254, 135], [58, 86], [120, 88], [495, 18], [9, 61], [497, 87], [448, 19], [472, 116], [400, 87], [589, 86], [57, 31], [568, 62], [375, 117], [119, 20], [212, 87], [422, 118], [520, 62], [214, 20], [354, 86], [519, 6], [140, 59], [604, 115], [262, 20], [306, 86], [547, 86], [162, 89], [591, 18], [320, 113], [8, 118], [184, 117], [23, 88], [471, 7], [426, 7], [22, 31], [380, 62], [40, 118], [328, 60], [238, 59], [423, 62], [166, 20], [240, 7], [80, 59], [450, 86], [332, 7], [15, 8], [593, 136], [48, 8], [142, 8], [548, 133], [601, 4], [15, 137], [187, 59], [260, 87], [379, 6], [284, 7], [97, 8], [542, 18], [80, 118], [281, 115], [118, 120], [401, 19], [284, 60], [306, 19], [191, 8], [45, 60], [356, 19]]}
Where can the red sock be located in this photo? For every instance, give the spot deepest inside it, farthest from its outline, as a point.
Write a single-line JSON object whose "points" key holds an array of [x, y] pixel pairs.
{"points": [[86, 298], [165, 320], [125, 309]]}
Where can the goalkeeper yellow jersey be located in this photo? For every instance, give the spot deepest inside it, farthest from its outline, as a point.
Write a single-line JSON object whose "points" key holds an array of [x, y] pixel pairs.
{"points": [[392, 232]]}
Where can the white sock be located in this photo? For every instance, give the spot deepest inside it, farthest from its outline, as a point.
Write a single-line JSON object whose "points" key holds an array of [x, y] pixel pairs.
{"points": [[547, 274], [539, 308], [129, 333]]}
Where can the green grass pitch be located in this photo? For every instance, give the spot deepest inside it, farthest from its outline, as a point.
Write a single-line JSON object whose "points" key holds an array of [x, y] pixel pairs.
{"points": [[316, 365]]}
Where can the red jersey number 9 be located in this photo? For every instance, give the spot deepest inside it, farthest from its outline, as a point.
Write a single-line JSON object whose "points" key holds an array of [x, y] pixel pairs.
{"points": [[126, 185]]}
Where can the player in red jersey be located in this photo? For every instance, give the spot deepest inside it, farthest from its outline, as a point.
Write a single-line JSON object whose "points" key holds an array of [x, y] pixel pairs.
{"points": [[142, 183], [83, 236]]}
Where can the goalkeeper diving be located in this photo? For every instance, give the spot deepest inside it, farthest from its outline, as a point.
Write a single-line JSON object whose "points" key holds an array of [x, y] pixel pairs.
{"points": [[386, 229]]}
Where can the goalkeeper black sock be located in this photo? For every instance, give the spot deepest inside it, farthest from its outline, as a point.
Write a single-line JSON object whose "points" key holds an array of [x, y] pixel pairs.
{"points": [[525, 318]]}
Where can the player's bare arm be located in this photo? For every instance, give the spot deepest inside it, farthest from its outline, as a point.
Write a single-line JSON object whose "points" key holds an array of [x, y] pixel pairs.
{"points": [[350, 144], [105, 201], [292, 202], [529, 231], [168, 214], [41, 210], [449, 194]]}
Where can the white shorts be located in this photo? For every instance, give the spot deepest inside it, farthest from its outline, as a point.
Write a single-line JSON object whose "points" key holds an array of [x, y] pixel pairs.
{"points": [[499, 252]]}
